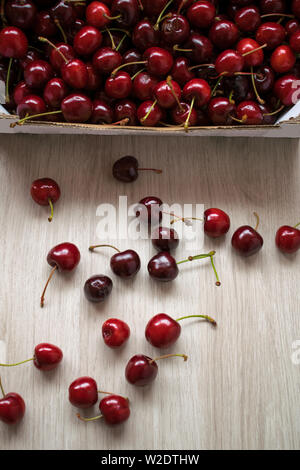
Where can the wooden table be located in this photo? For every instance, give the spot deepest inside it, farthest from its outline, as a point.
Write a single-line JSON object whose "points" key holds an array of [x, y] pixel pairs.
{"points": [[240, 388]]}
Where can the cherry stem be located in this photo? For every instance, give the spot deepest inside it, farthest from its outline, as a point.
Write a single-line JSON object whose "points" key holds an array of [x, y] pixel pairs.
{"points": [[59, 26], [278, 14], [51, 210], [158, 172], [218, 283], [32, 116], [142, 62], [177, 48], [216, 85], [169, 82], [116, 29], [17, 363], [257, 220], [123, 122], [121, 42], [88, 419], [241, 121], [156, 26], [192, 258], [137, 73], [259, 99], [1, 388], [113, 45], [206, 317], [92, 247], [275, 112], [105, 393], [42, 39], [149, 111], [297, 225], [165, 356], [254, 50], [231, 100], [46, 285], [186, 124], [201, 65], [7, 80], [111, 18]]}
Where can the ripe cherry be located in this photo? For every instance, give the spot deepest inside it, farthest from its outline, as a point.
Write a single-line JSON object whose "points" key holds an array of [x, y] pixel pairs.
{"points": [[220, 111], [162, 331], [143, 86], [141, 370], [97, 14], [125, 264], [249, 49], [229, 62], [149, 113], [248, 18], [102, 113], [97, 288], [44, 25], [224, 34], [13, 43], [295, 41], [20, 13], [46, 357], [21, 90], [175, 29], [165, 239], [287, 89], [62, 257], [198, 48], [105, 60], [167, 93], [77, 107], [181, 71], [248, 112], [118, 86], [201, 14], [12, 407], [126, 110], [87, 40], [83, 392], [31, 105], [59, 53], [37, 74], [159, 61], [264, 79], [271, 34], [184, 114], [54, 92], [125, 12], [216, 223], [113, 408], [246, 240], [288, 239], [115, 332], [283, 59], [144, 35], [45, 192], [149, 209], [126, 169]]}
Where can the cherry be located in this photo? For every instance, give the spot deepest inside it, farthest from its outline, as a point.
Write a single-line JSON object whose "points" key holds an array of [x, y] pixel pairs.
{"points": [[113, 408], [126, 109], [220, 111], [118, 86], [295, 41], [237, 86], [31, 105], [272, 34], [12, 407], [288, 239], [198, 48], [216, 222], [292, 26], [13, 43], [102, 112], [46, 357], [272, 6], [59, 53], [37, 74], [198, 92], [115, 332], [249, 49], [165, 239], [224, 34], [181, 71], [97, 288], [87, 40], [94, 79], [45, 192], [62, 257], [283, 59], [83, 392], [126, 169], [20, 92], [125, 12], [229, 62], [144, 35], [167, 93], [150, 210], [248, 18], [264, 79], [29, 57], [143, 86], [74, 73], [77, 108], [20, 13], [125, 264], [64, 13], [44, 25], [162, 331], [105, 60], [159, 61], [54, 92], [141, 370], [175, 29], [149, 113], [184, 114], [248, 112], [132, 55], [246, 240], [153, 7], [97, 14], [287, 88], [201, 14]]}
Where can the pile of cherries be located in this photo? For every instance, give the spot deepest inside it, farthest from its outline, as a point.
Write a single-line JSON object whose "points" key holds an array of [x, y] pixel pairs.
{"points": [[150, 62]]}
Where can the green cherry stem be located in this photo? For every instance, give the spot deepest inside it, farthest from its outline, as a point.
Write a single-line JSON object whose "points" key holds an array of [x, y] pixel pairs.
{"points": [[113, 45], [218, 283], [170, 85], [137, 73], [17, 363], [159, 19], [92, 247], [192, 258], [88, 419], [216, 85], [149, 111], [1, 388], [138, 62], [42, 39], [254, 50], [51, 210], [121, 42], [26, 118], [105, 393], [165, 356], [111, 18], [206, 317], [297, 225], [186, 124]]}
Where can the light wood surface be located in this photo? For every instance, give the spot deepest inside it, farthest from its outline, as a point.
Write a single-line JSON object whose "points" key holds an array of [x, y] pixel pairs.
{"points": [[239, 388]]}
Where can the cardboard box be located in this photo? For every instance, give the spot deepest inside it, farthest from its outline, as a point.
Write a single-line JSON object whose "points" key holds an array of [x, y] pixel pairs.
{"points": [[288, 126]]}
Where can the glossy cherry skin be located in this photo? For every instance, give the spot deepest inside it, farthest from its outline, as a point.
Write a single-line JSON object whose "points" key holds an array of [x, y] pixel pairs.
{"points": [[272, 34], [83, 392], [56, 59], [180, 71], [216, 222], [287, 88], [180, 115], [31, 105], [21, 90], [165, 94], [283, 59], [126, 109], [220, 111], [126, 169], [87, 40], [94, 80], [132, 55], [162, 331], [253, 59], [159, 61], [105, 60], [238, 86], [201, 48], [102, 113], [54, 92], [144, 35], [44, 189], [295, 41], [97, 13], [143, 86], [201, 14], [246, 241], [249, 113], [163, 267], [125, 264], [247, 18], [74, 73], [115, 332], [65, 256], [155, 114], [114, 409], [77, 108], [118, 86], [97, 288], [288, 239], [64, 13], [12, 408], [129, 11], [20, 13], [47, 356], [229, 62], [198, 89], [38, 73], [165, 239], [264, 79], [292, 26], [44, 25], [141, 370], [152, 214], [175, 29], [13, 43], [224, 34]]}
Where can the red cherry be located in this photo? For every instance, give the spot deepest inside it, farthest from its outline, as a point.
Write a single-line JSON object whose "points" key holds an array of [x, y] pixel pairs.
{"points": [[292, 26], [127, 168], [159, 61], [287, 89], [295, 41], [87, 40], [45, 192], [64, 13], [12, 407], [150, 210], [246, 240], [216, 223], [199, 48], [114, 409], [29, 57], [167, 93], [181, 71], [175, 29], [165, 239], [105, 60], [283, 59], [83, 392], [20, 92], [97, 288], [13, 43], [54, 92], [125, 264], [94, 79], [199, 90], [220, 111], [149, 113], [126, 12], [180, 115], [272, 34], [30, 106], [44, 25], [288, 239], [248, 112], [224, 34], [58, 54], [126, 109], [97, 14], [143, 86], [118, 86], [20, 13], [144, 35], [247, 18], [37, 74], [74, 73], [201, 14], [115, 332], [47, 356], [77, 108], [247, 47], [229, 62], [102, 112]]}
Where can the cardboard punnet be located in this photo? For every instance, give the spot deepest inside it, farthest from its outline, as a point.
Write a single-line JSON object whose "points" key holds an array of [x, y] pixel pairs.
{"points": [[288, 126]]}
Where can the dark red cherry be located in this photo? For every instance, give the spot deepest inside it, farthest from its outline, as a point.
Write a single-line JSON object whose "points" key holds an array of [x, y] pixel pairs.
{"points": [[97, 14], [248, 18], [115, 333], [181, 72], [20, 92], [201, 48], [216, 222], [288, 239], [44, 25], [165, 239], [229, 62], [126, 109], [197, 89], [237, 86], [45, 192], [249, 49], [83, 392], [248, 112], [149, 209], [144, 35], [54, 92], [295, 41], [13, 43], [114, 409], [125, 264], [87, 40], [224, 34], [220, 111], [132, 55], [97, 288], [64, 12], [127, 10], [167, 93], [20, 13], [287, 89], [201, 14], [264, 79], [149, 113], [126, 169], [12, 408], [143, 86], [29, 57], [181, 113], [163, 267], [272, 34], [77, 108], [38, 73], [175, 29], [74, 73], [105, 60], [102, 112], [31, 105], [292, 26], [283, 59], [94, 80], [159, 61], [58, 53], [153, 8], [47, 356], [272, 6], [118, 86], [246, 240]]}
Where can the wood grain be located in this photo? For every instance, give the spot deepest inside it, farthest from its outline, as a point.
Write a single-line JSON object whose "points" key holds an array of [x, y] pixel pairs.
{"points": [[239, 388]]}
